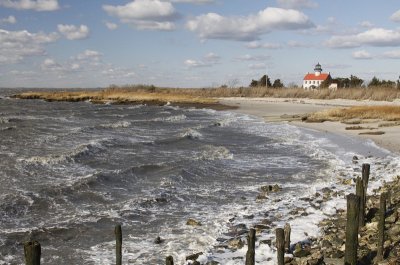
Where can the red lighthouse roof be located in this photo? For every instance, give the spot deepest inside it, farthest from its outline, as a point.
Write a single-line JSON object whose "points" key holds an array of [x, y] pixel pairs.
{"points": [[321, 77]]}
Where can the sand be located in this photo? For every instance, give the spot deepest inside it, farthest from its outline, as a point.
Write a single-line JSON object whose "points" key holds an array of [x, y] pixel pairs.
{"points": [[292, 110]]}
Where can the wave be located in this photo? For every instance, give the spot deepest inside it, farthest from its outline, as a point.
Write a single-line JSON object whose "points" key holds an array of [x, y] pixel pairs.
{"points": [[191, 134], [115, 125], [71, 156], [171, 118], [215, 153], [14, 205]]}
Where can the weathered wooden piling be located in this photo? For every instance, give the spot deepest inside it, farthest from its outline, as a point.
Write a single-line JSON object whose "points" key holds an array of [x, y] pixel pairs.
{"points": [[365, 176], [360, 191], [280, 245], [251, 252], [118, 246], [169, 260], [32, 251], [287, 230], [381, 226], [353, 204]]}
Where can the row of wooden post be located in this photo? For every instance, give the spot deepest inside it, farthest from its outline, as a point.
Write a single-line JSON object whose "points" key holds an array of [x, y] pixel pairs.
{"points": [[356, 204]]}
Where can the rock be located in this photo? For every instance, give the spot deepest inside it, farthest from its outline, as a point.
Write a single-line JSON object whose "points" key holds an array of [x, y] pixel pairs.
{"points": [[394, 231], [212, 262], [271, 188], [300, 252], [288, 260], [261, 227], [392, 218], [250, 216], [193, 222], [195, 263], [337, 254], [266, 242], [261, 197], [158, 240], [194, 256], [235, 243]]}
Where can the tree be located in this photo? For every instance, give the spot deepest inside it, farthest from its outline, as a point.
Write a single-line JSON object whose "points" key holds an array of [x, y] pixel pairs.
{"points": [[355, 81], [254, 83], [277, 83], [374, 82], [263, 81]]}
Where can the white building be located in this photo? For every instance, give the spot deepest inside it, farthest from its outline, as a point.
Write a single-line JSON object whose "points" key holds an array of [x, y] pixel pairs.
{"points": [[315, 80]]}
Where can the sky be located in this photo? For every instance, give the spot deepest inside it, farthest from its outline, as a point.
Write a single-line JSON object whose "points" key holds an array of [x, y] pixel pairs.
{"points": [[194, 43]]}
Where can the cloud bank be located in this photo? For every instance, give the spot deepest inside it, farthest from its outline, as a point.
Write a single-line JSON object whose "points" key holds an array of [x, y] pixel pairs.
{"points": [[248, 28]]}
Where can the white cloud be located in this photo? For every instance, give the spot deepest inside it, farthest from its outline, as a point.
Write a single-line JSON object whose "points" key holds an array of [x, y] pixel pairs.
{"points": [[50, 65], [195, 63], [249, 57], [73, 32], [8, 20], [17, 45], [366, 24], [111, 26], [212, 57], [249, 28], [297, 4], [363, 54], [392, 54], [89, 55], [374, 37], [145, 14], [259, 45], [396, 16], [208, 60], [193, 1], [39, 5], [257, 66]]}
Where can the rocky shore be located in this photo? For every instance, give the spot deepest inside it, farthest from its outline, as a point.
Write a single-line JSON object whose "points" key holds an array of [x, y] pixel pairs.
{"points": [[329, 247]]}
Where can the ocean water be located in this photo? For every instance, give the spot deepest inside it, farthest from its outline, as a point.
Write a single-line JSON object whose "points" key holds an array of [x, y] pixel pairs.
{"points": [[70, 171]]}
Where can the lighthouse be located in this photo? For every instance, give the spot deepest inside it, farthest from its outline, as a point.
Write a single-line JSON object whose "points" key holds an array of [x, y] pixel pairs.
{"points": [[318, 70]]}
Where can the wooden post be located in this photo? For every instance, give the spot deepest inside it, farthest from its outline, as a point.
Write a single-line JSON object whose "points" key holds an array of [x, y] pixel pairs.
{"points": [[169, 260], [118, 246], [32, 251], [360, 191], [280, 245], [381, 227], [287, 230], [251, 252], [365, 176], [353, 206]]}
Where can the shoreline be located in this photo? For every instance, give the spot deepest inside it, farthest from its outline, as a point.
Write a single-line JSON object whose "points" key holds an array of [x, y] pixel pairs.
{"points": [[328, 246], [289, 110]]}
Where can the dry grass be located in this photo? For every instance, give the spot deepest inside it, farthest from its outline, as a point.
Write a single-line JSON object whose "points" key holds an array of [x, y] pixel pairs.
{"points": [[139, 95], [374, 93], [387, 113], [142, 93]]}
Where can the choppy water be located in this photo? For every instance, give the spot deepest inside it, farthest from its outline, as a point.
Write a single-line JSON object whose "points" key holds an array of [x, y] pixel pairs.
{"points": [[70, 171]]}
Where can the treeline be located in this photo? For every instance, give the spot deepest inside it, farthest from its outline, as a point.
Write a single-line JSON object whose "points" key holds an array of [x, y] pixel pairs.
{"points": [[264, 81], [354, 81], [342, 82]]}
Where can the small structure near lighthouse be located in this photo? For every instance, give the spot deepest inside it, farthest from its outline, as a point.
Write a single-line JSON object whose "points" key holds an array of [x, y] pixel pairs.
{"points": [[312, 81]]}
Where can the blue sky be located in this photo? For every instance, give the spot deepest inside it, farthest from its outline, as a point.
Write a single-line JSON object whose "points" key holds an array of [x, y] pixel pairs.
{"points": [[194, 43]]}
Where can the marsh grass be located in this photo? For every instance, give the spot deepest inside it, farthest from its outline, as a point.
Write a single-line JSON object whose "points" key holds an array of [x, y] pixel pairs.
{"points": [[386, 113]]}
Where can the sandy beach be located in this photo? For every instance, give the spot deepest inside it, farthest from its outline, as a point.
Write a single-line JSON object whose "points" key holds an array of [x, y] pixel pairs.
{"points": [[292, 110]]}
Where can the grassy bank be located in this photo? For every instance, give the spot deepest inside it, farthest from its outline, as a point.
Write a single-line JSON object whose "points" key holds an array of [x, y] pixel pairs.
{"points": [[141, 92], [386, 113]]}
